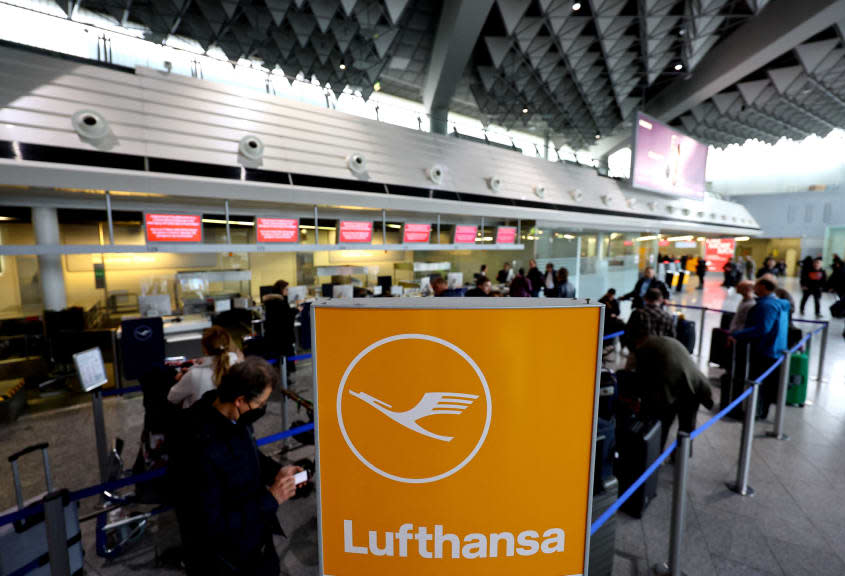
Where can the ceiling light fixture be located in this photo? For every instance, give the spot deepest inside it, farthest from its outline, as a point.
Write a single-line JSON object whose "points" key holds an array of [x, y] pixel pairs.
{"points": [[343, 66], [742, 239], [679, 67], [377, 86], [576, 6], [598, 136], [525, 110]]}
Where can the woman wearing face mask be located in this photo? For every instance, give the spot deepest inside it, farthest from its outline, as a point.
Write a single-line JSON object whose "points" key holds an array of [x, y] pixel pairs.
{"points": [[208, 371], [226, 492]]}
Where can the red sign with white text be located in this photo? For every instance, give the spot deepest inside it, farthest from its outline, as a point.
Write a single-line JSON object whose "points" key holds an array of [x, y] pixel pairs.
{"points": [[717, 251], [505, 235], [277, 230], [355, 232], [416, 234], [465, 234], [173, 227]]}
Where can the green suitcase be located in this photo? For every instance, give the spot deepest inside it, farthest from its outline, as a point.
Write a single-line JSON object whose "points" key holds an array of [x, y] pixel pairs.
{"points": [[799, 374]]}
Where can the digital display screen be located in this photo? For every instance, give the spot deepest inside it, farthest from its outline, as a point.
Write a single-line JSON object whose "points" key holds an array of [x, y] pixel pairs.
{"points": [[667, 161]]}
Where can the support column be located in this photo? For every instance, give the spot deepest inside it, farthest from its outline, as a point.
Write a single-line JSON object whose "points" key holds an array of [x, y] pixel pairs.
{"points": [[45, 223], [439, 121]]}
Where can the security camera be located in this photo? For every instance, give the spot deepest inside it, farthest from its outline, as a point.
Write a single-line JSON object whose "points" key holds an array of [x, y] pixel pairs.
{"points": [[356, 163], [670, 209], [606, 199], [251, 151], [652, 205], [685, 212], [494, 183], [435, 173], [632, 202], [539, 190], [92, 128], [576, 194]]}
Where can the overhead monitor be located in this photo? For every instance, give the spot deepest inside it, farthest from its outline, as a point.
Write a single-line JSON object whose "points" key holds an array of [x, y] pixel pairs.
{"points": [[666, 161]]}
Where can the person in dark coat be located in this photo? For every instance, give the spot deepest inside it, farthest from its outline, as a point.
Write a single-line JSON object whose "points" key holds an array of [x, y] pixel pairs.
{"points": [[646, 282], [482, 289], [520, 285], [701, 271], [674, 385], [768, 268], [279, 317], [563, 287], [535, 278], [813, 281], [225, 491]]}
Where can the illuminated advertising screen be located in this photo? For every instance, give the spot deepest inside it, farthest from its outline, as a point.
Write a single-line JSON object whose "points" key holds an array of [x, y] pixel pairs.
{"points": [[277, 229], [354, 232], [667, 161]]}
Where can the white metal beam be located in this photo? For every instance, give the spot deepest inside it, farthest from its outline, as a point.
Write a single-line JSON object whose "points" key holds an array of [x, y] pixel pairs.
{"points": [[777, 29]]}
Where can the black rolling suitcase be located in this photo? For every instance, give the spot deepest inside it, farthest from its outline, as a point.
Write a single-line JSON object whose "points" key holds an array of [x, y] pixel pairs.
{"points": [[727, 318], [732, 382], [721, 352], [638, 445], [603, 542], [685, 333]]}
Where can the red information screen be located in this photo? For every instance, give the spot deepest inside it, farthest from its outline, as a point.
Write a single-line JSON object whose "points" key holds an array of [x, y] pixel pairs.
{"points": [[417, 234], [277, 229], [717, 251], [173, 227], [354, 232], [506, 235], [465, 234]]}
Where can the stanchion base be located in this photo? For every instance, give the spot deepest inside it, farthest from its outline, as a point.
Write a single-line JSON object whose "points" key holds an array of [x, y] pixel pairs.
{"points": [[664, 569], [734, 488], [776, 437]]}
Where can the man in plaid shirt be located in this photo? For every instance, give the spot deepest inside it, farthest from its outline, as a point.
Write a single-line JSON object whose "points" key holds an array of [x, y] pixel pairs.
{"points": [[651, 319]]}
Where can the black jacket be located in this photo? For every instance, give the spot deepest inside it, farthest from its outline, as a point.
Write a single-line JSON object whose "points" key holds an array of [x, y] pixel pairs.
{"points": [[278, 327], [218, 476], [635, 293], [537, 281]]}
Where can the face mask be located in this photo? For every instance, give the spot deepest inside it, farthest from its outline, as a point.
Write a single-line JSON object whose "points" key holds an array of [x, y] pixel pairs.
{"points": [[252, 416]]}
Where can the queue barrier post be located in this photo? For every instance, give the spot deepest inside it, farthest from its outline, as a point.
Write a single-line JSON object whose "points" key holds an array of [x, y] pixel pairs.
{"points": [[822, 351], [100, 434], [780, 408], [743, 468], [54, 520], [283, 365], [679, 499], [701, 333]]}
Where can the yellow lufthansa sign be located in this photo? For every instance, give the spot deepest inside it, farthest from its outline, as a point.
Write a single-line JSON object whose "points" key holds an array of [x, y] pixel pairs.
{"points": [[454, 440]]}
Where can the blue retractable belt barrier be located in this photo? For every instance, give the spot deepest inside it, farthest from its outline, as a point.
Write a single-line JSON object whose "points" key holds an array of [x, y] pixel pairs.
{"points": [[598, 523], [145, 477], [614, 335]]}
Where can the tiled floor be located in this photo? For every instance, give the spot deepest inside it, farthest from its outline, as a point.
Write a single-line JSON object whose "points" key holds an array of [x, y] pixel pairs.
{"points": [[794, 525]]}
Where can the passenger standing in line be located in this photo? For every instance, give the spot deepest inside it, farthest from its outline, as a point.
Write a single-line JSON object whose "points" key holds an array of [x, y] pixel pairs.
{"points": [[505, 275], [564, 288], [673, 384], [279, 318], [650, 320], [701, 271], [746, 290], [535, 278], [482, 289], [225, 491], [612, 322], [783, 294], [550, 281], [644, 284], [750, 267], [768, 267], [766, 327], [520, 285], [208, 371], [813, 281], [481, 273]]}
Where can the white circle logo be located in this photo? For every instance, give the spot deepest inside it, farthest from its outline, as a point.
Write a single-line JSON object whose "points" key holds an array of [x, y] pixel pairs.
{"points": [[439, 433]]}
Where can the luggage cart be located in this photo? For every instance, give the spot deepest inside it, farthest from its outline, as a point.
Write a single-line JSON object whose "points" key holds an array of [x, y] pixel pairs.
{"points": [[23, 544]]}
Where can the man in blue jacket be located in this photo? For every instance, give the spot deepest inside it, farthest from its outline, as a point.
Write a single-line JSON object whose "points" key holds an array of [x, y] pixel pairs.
{"points": [[766, 328]]}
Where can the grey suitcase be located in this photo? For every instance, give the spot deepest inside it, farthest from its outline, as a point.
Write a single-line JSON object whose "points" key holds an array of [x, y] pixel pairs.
{"points": [[23, 544]]}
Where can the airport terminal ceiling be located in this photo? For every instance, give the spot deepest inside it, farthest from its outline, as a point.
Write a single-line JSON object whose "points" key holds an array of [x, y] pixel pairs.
{"points": [[576, 71]]}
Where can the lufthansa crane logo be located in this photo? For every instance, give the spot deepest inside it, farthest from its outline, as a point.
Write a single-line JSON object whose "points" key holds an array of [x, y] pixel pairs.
{"points": [[395, 419]]}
